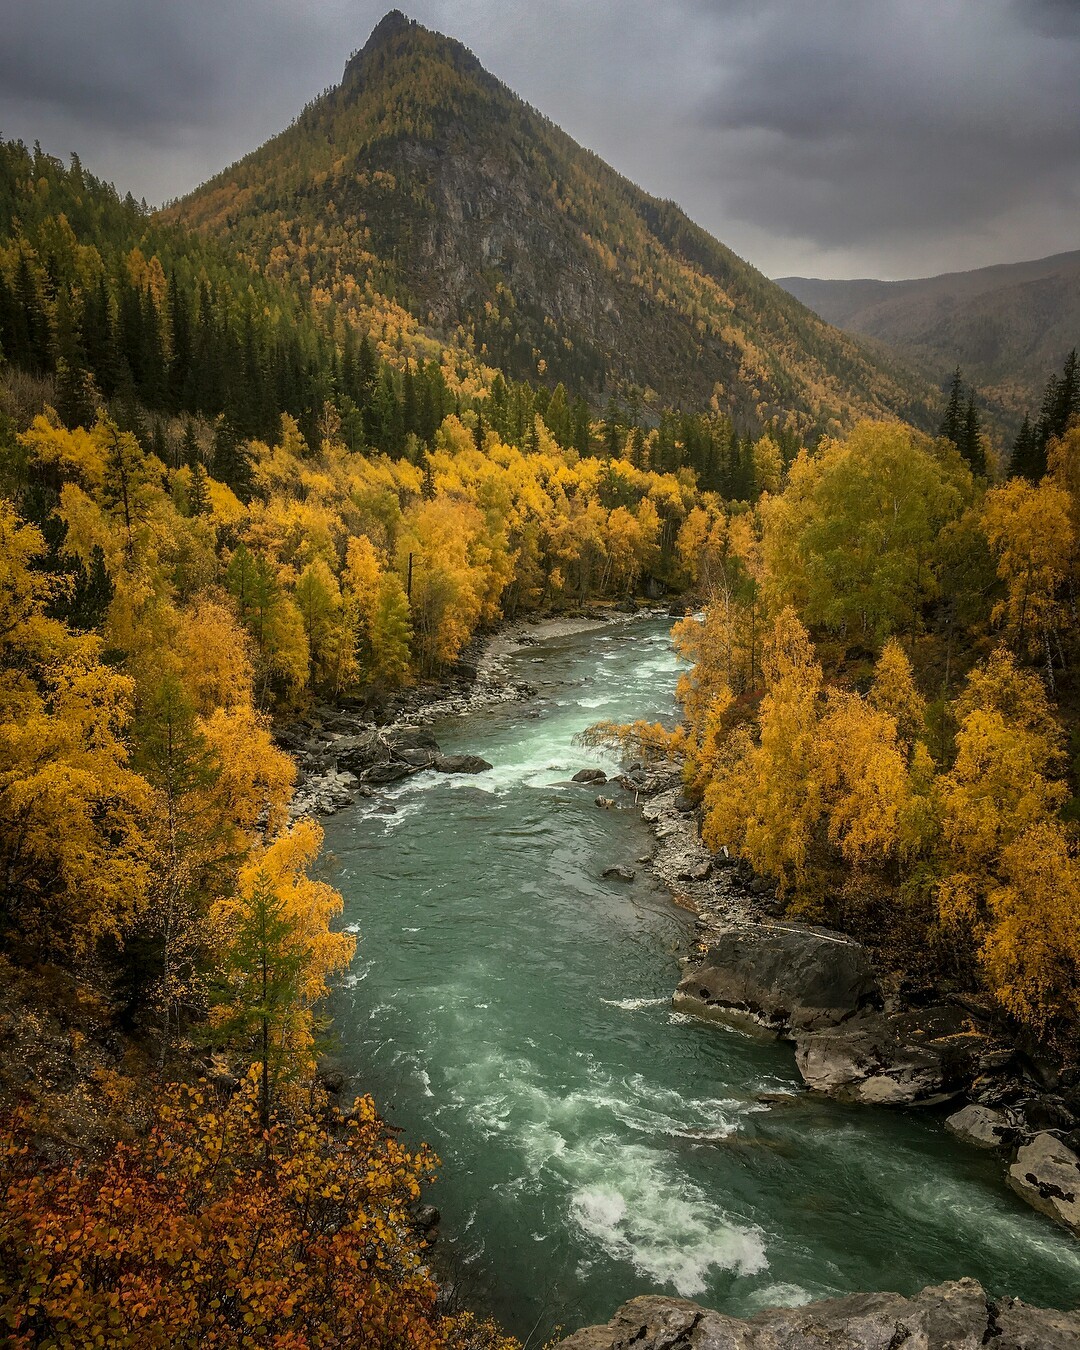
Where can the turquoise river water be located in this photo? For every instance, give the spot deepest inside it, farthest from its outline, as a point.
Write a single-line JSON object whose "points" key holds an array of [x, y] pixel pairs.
{"points": [[512, 1008]]}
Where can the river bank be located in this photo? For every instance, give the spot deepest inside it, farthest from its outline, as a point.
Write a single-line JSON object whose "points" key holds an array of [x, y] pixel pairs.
{"points": [[347, 750], [854, 1041]]}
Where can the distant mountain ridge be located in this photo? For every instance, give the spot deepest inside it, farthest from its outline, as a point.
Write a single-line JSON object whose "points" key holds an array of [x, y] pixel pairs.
{"points": [[1008, 326], [422, 185]]}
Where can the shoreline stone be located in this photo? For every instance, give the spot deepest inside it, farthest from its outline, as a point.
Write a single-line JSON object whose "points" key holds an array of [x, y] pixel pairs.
{"points": [[787, 978], [957, 1315], [1047, 1175]]}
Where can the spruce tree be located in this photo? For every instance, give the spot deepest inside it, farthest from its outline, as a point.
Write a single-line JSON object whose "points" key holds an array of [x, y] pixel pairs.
{"points": [[952, 424]]}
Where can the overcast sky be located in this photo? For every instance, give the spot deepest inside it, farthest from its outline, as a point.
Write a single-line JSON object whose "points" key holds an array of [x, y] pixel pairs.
{"points": [[839, 138]]}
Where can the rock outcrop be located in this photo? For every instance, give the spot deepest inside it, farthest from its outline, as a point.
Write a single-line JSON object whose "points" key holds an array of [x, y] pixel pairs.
{"points": [[1047, 1175], [787, 978], [461, 764], [955, 1316], [914, 1058]]}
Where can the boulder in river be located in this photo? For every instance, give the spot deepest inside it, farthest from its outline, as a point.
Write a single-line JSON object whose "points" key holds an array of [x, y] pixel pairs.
{"points": [[787, 978], [461, 764], [619, 873], [597, 776], [978, 1125], [1046, 1174], [421, 758], [958, 1315], [916, 1058], [380, 774]]}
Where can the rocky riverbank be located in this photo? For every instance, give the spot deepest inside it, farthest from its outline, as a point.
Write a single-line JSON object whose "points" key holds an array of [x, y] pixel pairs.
{"points": [[818, 989], [354, 748], [954, 1316]]}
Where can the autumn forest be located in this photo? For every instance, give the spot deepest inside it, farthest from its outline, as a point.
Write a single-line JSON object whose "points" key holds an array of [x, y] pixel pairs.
{"points": [[257, 467]]}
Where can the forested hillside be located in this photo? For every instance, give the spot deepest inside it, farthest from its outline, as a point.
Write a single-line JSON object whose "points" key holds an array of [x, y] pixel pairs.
{"points": [[422, 186], [1005, 325]]}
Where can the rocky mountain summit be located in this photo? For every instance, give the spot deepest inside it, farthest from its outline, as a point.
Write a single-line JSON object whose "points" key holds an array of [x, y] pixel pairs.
{"points": [[432, 189]]}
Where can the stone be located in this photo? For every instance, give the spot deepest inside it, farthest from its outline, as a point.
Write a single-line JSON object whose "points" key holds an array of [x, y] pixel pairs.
{"points": [[597, 776], [958, 1315], [421, 758], [700, 871], [425, 1219], [978, 1125], [786, 978], [915, 1058], [461, 764], [619, 873], [381, 774], [608, 803], [411, 738], [1046, 1174]]}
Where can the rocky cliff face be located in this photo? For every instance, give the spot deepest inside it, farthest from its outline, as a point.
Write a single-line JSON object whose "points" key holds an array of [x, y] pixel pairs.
{"points": [[954, 1316]]}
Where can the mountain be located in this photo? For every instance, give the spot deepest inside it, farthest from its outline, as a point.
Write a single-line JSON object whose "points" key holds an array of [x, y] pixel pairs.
{"points": [[422, 191], [1007, 326]]}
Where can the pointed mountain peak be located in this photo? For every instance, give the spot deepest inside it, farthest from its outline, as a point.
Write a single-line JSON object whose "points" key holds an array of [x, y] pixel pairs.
{"points": [[388, 28], [396, 37]]}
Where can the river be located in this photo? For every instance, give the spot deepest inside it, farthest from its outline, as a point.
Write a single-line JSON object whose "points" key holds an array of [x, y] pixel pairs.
{"points": [[512, 1008]]}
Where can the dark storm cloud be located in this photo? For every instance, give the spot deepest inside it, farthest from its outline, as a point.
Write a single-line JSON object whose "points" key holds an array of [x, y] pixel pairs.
{"points": [[884, 137], [900, 125]]}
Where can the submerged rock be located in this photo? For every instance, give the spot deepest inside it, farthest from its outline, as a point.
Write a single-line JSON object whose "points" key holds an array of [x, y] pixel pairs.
{"points": [[619, 873], [787, 978], [957, 1315], [381, 774], [1046, 1174]]}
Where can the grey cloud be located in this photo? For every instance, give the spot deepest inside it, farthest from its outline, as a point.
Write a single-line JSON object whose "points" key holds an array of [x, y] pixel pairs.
{"points": [[894, 123], [1053, 18], [881, 136]]}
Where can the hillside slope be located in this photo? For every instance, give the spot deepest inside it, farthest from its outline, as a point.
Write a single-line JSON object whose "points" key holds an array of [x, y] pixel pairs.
{"points": [[1007, 326], [423, 180]]}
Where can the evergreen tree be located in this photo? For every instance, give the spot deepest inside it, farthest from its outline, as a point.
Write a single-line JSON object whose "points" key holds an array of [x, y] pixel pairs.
{"points": [[952, 424], [231, 462], [260, 985], [1024, 462], [971, 445]]}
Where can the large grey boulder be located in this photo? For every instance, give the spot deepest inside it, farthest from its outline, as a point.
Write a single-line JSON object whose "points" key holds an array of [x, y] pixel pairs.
{"points": [[978, 1125], [953, 1316], [1047, 1175], [918, 1058], [786, 978], [461, 764]]}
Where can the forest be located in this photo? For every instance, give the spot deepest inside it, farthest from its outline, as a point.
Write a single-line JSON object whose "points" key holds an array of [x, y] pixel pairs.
{"points": [[881, 713], [230, 495]]}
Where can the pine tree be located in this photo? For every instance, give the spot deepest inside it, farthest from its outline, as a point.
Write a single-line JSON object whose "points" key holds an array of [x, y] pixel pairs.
{"points": [[952, 424], [199, 492], [971, 445], [1024, 462], [231, 462]]}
